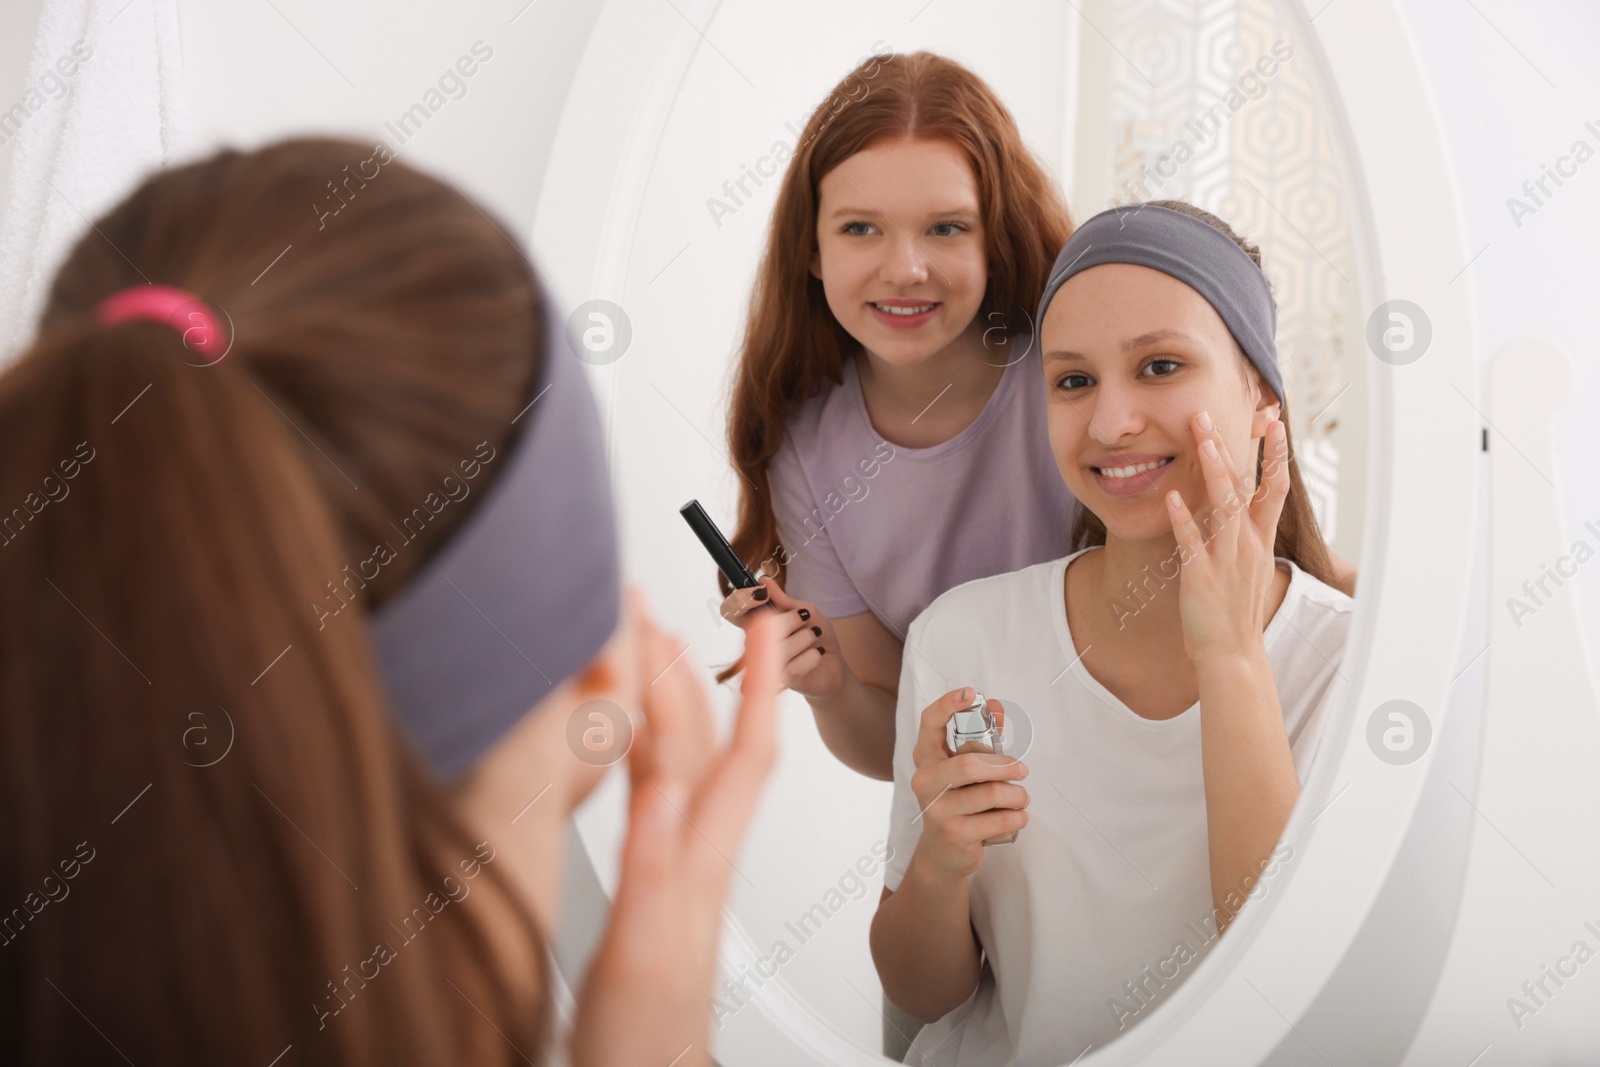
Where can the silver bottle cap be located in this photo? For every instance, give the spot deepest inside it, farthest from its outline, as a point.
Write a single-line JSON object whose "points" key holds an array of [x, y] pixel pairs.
{"points": [[975, 720], [974, 723]]}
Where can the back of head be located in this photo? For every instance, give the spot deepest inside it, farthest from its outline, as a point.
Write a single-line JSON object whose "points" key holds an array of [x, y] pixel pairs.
{"points": [[188, 728]]}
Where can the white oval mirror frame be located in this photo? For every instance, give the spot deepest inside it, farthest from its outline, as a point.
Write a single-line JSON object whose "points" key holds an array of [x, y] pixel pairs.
{"points": [[1410, 616]]}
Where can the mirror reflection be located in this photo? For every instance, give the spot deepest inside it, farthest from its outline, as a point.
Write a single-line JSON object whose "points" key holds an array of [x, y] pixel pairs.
{"points": [[949, 496]]}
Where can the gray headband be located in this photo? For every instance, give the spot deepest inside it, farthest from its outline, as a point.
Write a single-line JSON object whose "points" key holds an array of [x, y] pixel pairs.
{"points": [[524, 593], [1201, 257]]}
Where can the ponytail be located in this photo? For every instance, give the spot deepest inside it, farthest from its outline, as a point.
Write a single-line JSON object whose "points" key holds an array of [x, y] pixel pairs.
{"points": [[257, 858]]}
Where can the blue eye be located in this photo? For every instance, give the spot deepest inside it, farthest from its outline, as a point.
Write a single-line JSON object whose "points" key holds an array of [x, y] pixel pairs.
{"points": [[958, 228], [1064, 377], [1153, 362], [846, 228]]}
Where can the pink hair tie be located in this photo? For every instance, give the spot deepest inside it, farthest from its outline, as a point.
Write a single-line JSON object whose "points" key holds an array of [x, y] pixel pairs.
{"points": [[182, 310]]}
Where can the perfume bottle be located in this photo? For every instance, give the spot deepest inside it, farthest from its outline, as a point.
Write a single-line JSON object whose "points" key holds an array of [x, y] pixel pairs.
{"points": [[973, 729]]}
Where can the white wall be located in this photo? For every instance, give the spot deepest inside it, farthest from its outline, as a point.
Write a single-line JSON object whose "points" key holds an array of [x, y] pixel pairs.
{"points": [[1515, 83]]}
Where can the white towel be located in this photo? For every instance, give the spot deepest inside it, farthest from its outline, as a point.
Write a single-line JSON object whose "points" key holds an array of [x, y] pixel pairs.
{"points": [[77, 153]]}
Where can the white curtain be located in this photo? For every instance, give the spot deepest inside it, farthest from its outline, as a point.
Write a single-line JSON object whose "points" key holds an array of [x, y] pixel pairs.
{"points": [[103, 105]]}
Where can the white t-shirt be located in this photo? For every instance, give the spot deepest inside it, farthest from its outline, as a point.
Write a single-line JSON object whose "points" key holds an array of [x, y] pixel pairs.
{"points": [[1102, 906]]}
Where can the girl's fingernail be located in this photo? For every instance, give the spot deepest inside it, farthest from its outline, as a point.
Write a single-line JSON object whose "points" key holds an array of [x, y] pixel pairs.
{"points": [[822, 650], [817, 630], [804, 614], [759, 594], [1205, 421], [1209, 447]]}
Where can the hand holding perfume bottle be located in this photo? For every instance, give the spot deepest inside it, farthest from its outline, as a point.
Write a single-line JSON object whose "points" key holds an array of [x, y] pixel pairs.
{"points": [[966, 788], [977, 728]]}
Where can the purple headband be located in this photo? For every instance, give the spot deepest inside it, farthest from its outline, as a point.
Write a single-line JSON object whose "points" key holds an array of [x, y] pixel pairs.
{"points": [[1198, 255], [524, 593]]}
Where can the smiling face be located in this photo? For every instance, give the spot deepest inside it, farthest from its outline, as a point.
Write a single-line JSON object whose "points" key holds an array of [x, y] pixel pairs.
{"points": [[1130, 355], [901, 247]]}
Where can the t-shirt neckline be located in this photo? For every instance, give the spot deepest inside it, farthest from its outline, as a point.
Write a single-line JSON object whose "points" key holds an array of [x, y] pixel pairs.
{"points": [[997, 400], [1269, 637]]}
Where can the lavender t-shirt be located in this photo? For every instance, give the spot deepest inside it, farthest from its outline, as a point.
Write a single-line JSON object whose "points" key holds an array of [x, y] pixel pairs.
{"points": [[873, 526]]}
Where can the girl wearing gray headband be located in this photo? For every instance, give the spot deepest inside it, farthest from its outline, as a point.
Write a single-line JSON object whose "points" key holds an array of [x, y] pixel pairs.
{"points": [[1170, 676], [308, 628]]}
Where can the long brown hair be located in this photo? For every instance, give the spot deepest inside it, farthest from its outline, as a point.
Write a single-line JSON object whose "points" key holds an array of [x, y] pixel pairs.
{"points": [[1298, 537], [792, 343], [169, 530]]}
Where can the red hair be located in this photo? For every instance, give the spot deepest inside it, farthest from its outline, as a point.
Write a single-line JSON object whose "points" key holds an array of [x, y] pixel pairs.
{"points": [[792, 344]]}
